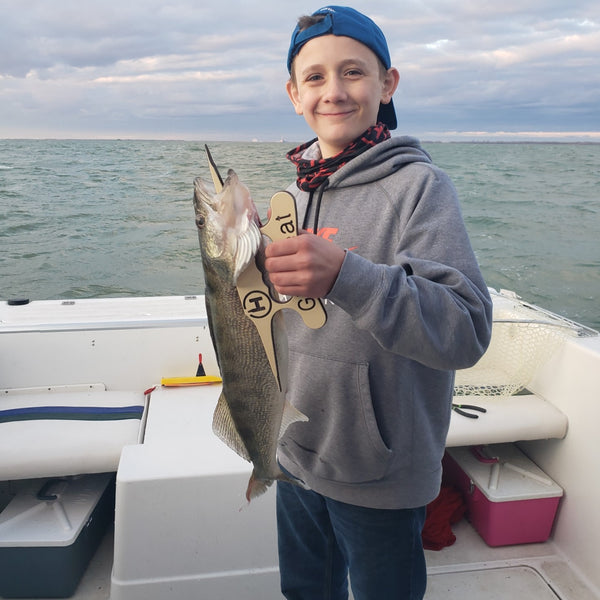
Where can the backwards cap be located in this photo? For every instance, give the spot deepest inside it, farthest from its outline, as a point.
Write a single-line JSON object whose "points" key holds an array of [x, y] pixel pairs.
{"points": [[347, 22]]}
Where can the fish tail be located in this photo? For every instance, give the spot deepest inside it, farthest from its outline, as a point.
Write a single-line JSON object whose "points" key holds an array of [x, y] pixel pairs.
{"points": [[256, 486]]}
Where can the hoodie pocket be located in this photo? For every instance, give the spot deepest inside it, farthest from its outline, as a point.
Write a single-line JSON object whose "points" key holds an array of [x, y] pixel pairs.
{"points": [[342, 441]]}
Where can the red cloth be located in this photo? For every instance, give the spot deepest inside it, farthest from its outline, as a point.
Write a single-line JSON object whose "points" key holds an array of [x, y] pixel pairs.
{"points": [[446, 510]]}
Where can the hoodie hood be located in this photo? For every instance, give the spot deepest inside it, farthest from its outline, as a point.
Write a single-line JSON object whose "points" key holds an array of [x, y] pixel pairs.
{"points": [[373, 165], [380, 161]]}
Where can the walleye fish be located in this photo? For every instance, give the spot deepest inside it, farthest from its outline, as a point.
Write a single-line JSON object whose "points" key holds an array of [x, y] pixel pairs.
{"points": [[252, 412]]}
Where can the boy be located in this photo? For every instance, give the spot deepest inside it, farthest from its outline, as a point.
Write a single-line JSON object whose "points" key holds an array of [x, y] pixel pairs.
{"points": [[385, 244]]}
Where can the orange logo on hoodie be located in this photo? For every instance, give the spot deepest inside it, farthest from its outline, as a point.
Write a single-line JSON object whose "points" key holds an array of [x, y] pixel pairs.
{"points": [[327, 233]]}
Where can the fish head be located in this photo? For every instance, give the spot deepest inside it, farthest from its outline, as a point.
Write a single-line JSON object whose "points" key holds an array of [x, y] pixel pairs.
{"points": [[228, 224]]}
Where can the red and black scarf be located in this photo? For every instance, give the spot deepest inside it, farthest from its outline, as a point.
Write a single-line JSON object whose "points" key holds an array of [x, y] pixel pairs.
{"points": [[312, 173]]}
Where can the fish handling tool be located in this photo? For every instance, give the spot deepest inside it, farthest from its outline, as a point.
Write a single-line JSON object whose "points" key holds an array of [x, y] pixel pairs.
{"points": [[462, 409], [255, 295]]}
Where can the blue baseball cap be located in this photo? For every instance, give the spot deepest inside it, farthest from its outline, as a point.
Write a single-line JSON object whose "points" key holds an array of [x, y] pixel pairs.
{"points": [[347, 22]]}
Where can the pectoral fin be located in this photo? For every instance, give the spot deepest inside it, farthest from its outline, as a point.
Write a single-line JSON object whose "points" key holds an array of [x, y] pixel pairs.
{"points": [[248, 243]]}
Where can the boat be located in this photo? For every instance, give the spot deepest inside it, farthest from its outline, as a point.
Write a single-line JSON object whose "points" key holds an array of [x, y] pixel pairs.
{"points": [[182, 528]]}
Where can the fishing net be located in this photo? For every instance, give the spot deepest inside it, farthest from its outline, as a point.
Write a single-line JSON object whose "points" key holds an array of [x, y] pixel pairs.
{"points": [[524, 337]]}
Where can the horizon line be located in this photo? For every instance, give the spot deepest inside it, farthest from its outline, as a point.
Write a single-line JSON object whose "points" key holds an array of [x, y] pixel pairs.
{"points": [[441, 135]]}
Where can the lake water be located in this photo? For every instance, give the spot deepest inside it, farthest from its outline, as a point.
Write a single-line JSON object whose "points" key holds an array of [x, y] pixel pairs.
{"points": [[82, 219]]}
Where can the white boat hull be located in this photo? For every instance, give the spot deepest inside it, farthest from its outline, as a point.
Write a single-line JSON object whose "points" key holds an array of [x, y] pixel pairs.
{"points": [[182, 526]]}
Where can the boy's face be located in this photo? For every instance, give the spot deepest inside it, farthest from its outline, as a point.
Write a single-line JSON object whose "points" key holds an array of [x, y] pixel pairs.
{"points": [[337, 86]]}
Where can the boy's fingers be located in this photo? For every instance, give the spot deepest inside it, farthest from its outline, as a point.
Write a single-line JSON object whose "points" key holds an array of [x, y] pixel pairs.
{"points": [[282, 248]]}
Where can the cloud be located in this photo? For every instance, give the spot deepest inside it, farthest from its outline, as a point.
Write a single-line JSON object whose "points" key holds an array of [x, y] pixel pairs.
{"points": [[503, 66], [148, 68]]}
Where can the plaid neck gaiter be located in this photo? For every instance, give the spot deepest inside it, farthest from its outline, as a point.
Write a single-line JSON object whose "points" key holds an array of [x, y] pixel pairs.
{"points": [[312, 173]]}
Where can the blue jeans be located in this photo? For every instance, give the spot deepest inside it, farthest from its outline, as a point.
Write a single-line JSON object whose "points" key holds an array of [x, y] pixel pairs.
{"points": [[321, 541]]}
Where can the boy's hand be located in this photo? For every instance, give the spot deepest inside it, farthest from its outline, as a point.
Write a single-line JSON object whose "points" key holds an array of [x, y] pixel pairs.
{"points": [[305, 265]]}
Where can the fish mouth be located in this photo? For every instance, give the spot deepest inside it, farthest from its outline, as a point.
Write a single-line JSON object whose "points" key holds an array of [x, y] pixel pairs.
{"points": [[227, 223], [202, 195], [219, 202]]}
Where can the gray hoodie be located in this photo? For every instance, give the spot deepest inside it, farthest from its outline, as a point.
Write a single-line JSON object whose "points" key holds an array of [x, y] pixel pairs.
{"points": [[409, 307]]}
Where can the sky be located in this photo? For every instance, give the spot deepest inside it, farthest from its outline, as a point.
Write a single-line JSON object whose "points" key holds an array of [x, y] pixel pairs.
{"points": [[215, 70]]}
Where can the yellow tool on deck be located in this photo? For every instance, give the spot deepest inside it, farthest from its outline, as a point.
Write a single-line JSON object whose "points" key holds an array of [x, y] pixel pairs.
{"points": [[189, 381]]}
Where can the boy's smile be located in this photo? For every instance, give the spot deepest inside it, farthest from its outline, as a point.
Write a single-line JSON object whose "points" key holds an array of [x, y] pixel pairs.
{"points": [[337, 85]]}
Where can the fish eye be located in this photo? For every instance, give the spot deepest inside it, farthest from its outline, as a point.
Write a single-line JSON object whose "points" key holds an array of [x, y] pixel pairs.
{"points": [[200, 221]]}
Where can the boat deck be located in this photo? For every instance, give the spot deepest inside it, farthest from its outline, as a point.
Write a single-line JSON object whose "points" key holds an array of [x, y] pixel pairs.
{"points": [[468, 569], [471, 569]]}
